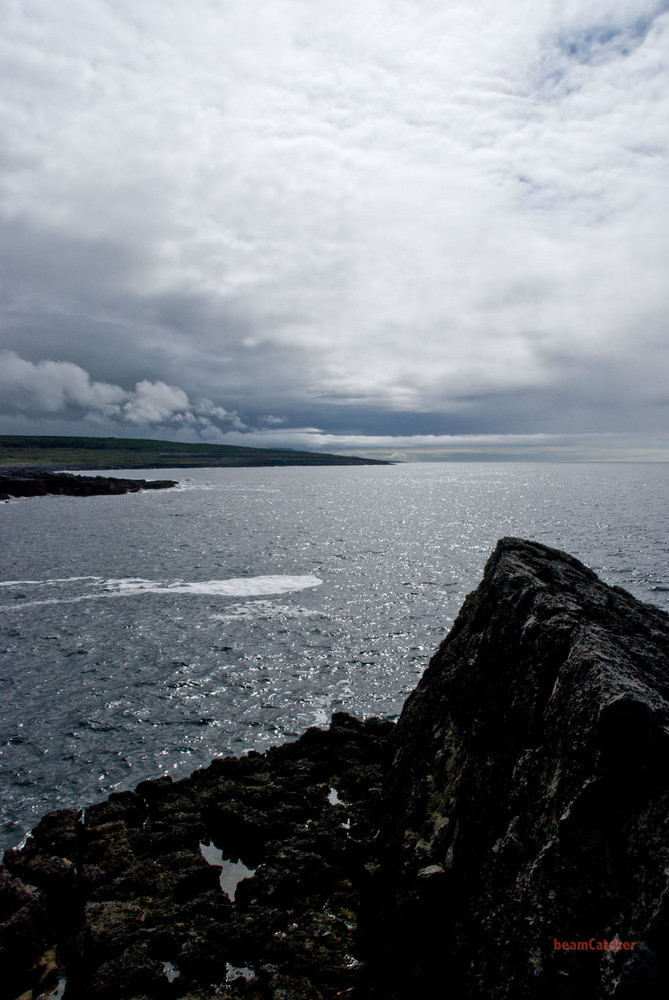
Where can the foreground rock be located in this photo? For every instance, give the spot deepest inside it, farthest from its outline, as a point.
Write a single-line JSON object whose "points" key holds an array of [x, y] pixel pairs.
{"points": [[529, 798], [124, 904], [522, 799], [37, 483]]}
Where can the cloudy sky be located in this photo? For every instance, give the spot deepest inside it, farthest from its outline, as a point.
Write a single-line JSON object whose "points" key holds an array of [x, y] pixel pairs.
{"points": [[421, 227]]}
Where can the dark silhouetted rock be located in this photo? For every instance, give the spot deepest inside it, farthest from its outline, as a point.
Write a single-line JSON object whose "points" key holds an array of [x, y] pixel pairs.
{"points": [[529, 797], [24, 933], [39, 483], [137, 912]]}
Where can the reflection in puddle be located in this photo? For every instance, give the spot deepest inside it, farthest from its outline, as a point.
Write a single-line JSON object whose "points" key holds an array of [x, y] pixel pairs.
{"points": [[235, 971], [232, 872], [333, 798], [212, 855], [171, 971]]}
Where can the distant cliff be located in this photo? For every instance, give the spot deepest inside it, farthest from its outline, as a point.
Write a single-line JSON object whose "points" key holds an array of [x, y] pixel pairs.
{"points": [[138, 453], [506, 839]]}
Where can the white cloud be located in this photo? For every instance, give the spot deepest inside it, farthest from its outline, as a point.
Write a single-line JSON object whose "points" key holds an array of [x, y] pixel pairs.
{"points": [[451, 447], [155, 402], [63, 388], [408, 206], [53, 386]]}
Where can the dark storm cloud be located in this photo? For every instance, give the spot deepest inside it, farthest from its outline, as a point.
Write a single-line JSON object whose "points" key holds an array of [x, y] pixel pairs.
{"points": [[400, 220]]}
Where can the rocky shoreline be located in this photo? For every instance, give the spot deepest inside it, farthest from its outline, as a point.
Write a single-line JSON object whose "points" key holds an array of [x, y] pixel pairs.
{"points": [[521, 800], [15, 483], [127, 890]]}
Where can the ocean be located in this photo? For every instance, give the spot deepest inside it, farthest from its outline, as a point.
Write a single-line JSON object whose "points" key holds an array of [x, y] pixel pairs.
{"points": [[145, 634]]}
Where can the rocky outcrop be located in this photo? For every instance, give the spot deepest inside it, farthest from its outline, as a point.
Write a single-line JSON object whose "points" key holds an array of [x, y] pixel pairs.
{"points": [[39, 483], [528, 801], [521, 802], [127, 903]]}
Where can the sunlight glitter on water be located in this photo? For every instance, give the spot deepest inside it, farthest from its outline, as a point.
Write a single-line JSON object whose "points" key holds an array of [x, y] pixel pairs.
{"points": [[147, 660]]}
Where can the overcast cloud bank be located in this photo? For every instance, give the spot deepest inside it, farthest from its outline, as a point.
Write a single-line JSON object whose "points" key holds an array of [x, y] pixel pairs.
{"points": [[342, 228]]}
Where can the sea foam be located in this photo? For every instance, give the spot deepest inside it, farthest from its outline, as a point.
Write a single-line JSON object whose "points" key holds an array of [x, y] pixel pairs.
{"points": [[249, 586], [245, 586]]}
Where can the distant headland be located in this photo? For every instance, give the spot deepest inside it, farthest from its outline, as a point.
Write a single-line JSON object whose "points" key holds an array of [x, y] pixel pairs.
{"points": [[38, 452]]}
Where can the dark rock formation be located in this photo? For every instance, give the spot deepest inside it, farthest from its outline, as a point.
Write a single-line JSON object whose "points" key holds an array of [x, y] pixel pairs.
{"points": [[38, 483], [529, 797], [127, 902], [521, 800]]}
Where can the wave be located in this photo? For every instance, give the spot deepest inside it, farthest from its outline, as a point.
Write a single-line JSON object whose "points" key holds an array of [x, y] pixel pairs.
{"points": [[246, 586], [264, 609], [46, 583], [250, 586]]}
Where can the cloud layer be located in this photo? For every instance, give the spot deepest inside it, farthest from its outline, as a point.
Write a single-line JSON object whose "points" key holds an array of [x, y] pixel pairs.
{"points": [[398, 219], [63, 389]]}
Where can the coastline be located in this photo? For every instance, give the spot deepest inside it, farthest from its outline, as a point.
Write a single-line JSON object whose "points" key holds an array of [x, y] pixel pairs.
{"points": [[19, 483], [519, 800], [58, 453]]}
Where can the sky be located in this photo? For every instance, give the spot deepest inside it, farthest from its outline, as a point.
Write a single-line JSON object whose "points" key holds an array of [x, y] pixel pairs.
{"points": [[424, 229]]}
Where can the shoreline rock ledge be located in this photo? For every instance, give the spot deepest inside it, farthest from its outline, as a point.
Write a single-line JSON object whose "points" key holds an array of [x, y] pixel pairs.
{"points": [[520, 803], [21, 483]]}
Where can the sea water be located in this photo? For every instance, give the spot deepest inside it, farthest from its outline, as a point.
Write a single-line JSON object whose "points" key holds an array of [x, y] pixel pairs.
{"points": [[146, 634]]}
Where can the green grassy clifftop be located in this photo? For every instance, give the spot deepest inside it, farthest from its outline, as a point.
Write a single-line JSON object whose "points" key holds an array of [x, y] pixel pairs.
{"points": [[133, 453]]}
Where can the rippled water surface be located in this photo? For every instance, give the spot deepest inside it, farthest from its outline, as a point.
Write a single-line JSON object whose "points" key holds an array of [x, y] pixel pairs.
{"points": [[148, 633]]}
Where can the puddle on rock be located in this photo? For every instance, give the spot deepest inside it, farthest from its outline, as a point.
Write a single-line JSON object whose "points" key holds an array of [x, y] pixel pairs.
{"points": [[333, 798], [212, 855], [171, 971], [232, 872], [235, 971]]}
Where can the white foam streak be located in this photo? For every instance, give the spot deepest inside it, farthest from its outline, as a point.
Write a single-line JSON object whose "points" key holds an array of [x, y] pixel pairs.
{"points": [[47, 583], [252, 586], [236, 587]]}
